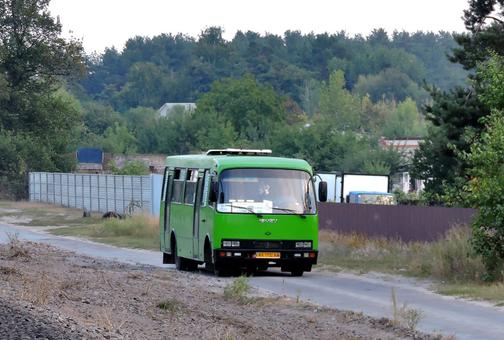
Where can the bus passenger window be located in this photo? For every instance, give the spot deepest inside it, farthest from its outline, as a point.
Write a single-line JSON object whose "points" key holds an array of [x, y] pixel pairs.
{"points": [[178, 185], [190, 191]]}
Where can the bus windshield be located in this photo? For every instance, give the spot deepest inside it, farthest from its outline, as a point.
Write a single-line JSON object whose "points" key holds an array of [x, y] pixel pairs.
{"points": [[266, 191]]}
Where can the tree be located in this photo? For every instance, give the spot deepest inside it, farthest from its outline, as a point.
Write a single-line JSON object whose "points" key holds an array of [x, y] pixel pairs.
{"points": [[485, 190], [484, 19], [389, 84], [32, 56], [453, 114], [404, 121], [37, 115], [98, 117], [338, 104], [252, 109], [118, 139]]}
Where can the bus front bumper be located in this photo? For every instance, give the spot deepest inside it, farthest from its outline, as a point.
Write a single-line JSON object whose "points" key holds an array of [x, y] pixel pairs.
{"points": [[266, 258]]}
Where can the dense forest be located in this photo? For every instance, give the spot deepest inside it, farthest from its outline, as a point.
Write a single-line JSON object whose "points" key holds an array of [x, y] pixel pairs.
{"points": [[177, 68], [327, 98]]}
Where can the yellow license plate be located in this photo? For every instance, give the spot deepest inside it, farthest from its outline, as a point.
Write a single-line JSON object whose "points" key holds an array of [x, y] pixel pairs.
{"points": [[268, 255]]}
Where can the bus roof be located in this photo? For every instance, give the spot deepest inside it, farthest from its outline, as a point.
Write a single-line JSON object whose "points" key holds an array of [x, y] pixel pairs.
{"points": [[223, 162]]}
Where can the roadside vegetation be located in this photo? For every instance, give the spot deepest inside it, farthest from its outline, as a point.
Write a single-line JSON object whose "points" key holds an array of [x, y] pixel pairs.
{"points": [[451, 261], [139, 231]]}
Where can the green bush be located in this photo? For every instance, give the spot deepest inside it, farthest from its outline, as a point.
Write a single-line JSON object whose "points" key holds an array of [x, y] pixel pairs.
{"points": [[237, 290], [131, 168]]}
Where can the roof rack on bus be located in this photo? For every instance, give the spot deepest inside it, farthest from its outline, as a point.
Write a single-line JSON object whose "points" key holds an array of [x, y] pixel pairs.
{"points": [[248, 152]]}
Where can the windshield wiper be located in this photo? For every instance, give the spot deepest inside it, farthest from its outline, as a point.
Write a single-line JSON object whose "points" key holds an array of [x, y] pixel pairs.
{"points": [[289, 210], [246, 208]]}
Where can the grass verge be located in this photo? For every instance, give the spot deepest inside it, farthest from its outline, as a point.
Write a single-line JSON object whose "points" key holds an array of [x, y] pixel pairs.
{"points": [[139, 231], [450, 261], [42, 215]]}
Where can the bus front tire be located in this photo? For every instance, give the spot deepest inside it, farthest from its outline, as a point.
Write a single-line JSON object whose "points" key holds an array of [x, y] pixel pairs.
{"points": [[179, 261], [297, 272]]}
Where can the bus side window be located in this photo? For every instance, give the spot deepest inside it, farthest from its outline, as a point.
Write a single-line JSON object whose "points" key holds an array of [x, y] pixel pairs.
{"points": [[190, 190], [178, 186]]}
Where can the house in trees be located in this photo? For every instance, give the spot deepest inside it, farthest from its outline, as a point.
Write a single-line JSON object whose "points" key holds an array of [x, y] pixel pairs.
{"points": [[169, 108], [407, 147]]}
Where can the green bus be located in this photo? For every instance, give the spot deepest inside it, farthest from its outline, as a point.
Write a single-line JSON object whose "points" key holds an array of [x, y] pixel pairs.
{"points": [[237, 209]]}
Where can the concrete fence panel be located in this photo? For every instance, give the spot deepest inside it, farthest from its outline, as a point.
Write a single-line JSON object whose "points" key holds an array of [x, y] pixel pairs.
{"points": [[97, 192]]}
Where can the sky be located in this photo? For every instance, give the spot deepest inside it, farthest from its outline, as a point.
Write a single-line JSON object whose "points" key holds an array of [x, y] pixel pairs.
{"points": [[107, 23]]}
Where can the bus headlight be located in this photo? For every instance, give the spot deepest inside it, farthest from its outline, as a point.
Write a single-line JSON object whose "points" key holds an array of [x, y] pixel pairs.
{"points": [[304, 244], [228, 244]]}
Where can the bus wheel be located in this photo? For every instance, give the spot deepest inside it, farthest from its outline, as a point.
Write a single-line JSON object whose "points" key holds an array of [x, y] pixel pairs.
{"points": [[179, 261], [209, 265], [221, 271], [297, 272], [190, 265]]}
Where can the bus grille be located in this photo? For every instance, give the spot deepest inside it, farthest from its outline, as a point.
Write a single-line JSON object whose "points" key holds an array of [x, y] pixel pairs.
{"points": [[260, 244]]}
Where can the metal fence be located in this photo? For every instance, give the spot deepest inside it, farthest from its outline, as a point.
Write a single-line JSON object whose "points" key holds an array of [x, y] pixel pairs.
{"points": [[405, 222], [97, 192]]}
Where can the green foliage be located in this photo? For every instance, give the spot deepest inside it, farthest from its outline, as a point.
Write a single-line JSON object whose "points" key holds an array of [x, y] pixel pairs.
{"points": [[118, 139], [404, 121], [491, 74], [485, 191], [390, 84], [237, 290], [450, 259], [453, 115], [178, 68], [486, 33], [410, 198], [338, 104], [98, 117], [378, 167], [38, 117], [252, 109], [132, 168]]}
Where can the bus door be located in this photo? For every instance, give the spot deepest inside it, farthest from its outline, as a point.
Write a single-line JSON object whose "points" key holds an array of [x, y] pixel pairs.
{"points": [[166, 204], [196, 217]]}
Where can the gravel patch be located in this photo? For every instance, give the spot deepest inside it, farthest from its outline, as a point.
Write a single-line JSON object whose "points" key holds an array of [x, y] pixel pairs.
{"points": [[53, 294]]}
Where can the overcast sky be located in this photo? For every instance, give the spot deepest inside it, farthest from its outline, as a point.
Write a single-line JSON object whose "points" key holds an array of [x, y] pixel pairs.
{"points": [[107, 23]]}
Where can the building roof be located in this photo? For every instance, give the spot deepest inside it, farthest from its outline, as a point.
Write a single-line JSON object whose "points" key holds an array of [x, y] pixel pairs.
{"points": [[167, 108]]}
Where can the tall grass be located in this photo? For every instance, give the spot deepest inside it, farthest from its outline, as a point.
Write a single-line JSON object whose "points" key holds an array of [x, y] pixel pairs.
{"points": [[450, 258], [139, 231], [142, 226]]}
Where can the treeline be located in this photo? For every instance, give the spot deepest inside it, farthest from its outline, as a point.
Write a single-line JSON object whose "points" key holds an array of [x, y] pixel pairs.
{"points": [[327, 98], [177, 68], [342, 135]]}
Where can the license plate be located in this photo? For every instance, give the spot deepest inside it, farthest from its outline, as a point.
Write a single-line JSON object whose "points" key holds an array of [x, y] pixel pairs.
{"points": [[267, 255]]}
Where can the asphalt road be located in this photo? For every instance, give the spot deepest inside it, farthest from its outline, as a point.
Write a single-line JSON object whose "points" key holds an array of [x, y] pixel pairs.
{"points": [[370, 294]]}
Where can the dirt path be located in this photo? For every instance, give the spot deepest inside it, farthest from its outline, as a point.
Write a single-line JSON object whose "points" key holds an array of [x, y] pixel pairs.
{"points": [[75, 296]]}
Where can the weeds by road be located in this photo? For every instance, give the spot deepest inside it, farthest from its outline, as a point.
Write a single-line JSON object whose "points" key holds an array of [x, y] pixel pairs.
{"points": [[104, 299], [139, 231], [449, 261]]}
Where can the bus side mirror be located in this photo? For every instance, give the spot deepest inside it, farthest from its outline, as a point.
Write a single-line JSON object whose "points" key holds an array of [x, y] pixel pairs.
{"points": [[214, 191], [322, 191]]}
